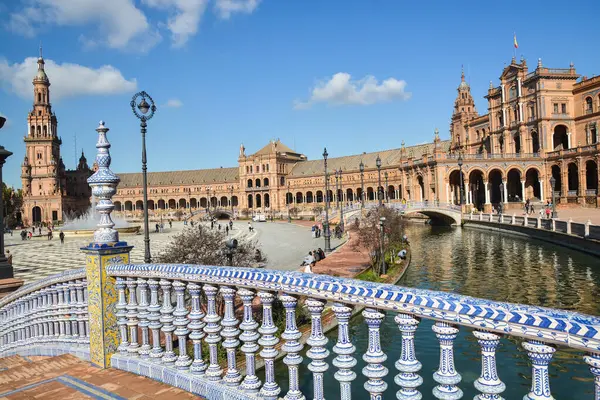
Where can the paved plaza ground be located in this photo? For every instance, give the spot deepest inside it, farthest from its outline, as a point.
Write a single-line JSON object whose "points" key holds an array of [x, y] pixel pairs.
{"points": [[284, 244]]}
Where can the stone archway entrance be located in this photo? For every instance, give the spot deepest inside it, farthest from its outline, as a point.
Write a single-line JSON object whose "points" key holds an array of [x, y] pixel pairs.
{"points": [[560, 139], [36, 215], [477, 189]]}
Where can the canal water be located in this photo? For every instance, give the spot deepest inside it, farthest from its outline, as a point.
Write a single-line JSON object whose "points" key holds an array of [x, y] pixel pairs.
{"points": [[488, 265]]}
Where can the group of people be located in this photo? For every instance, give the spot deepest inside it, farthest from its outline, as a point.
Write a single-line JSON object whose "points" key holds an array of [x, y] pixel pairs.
{"points": [[316, 231], [312, 258], [529, 209], [27, 235], [161, 227]]}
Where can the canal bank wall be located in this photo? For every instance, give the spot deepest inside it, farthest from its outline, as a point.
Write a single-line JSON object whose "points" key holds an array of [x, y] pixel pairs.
{"points": [[570, 241]]}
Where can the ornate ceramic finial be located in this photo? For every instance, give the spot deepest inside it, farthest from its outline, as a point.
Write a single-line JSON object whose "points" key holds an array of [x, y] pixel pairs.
{"points": [[437, 134], [491, 85], [571, 65], [462, 73], [539, 63], [402, 144], [104, 186]]}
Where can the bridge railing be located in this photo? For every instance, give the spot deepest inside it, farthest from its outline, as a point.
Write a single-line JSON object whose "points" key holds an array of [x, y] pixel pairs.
{"points": [[161, 307], [585, 230], [52, 313]]}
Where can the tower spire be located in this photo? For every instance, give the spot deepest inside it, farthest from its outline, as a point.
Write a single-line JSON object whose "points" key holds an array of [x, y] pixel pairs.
{"points": [[462, 73], [41, 55]]}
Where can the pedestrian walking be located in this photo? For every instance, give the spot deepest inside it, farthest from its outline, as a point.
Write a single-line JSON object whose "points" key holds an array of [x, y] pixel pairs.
{"points": [[61, 236], [170, 224]]}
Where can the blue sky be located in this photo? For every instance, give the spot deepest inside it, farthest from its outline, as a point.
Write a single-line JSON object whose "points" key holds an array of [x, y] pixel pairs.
{"points": [[352, 75]]}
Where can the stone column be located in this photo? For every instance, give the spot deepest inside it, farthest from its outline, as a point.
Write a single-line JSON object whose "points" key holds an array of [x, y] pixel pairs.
{"points": [[487, 192], [541, 183], [505, 189], [523, 191], [106, 249]]}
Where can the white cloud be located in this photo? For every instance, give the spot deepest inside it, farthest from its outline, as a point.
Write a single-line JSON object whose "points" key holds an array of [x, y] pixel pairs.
{"points": [[341, 90], [227, 7], [173, 103], [68, 80], [120, 24], [184, 18]]}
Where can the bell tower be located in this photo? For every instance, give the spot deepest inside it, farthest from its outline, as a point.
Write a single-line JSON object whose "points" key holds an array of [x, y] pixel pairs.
{"points": [[41, 169], [464, 111]]}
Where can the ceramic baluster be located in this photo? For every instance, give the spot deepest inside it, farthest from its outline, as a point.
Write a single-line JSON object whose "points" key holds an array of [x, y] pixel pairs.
{"points": [[317, 342], [374, 357], [489, 384], [408, 379], [593, 360], [132, 317], [249, 336], [181, 326], [143, 313], [292, 347], [540, 355], [268, 341], [344, 349], [167, 318], [154, 318], [446, 375], [230, 333], [122, 315], [196, 324], [212, 329]]}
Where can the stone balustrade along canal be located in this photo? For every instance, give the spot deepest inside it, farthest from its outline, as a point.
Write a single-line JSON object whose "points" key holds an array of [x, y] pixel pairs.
{"points": [[162, 321]]}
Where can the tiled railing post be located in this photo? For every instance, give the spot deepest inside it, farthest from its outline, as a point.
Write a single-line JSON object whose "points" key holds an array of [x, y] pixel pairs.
{"points": [[569, 222], [154, 318], [593, 360], [212, 329], [268, 341], [143, 315], [106, 249], [446, 375], [181, 326], [132, 317], [374, 357], [540, 355], [408, 379], [344, 350], [317, 342], [249, 336], [167, 318], [230, 335], [292, 347], [587, 229], [488, 383], [196, 326]]}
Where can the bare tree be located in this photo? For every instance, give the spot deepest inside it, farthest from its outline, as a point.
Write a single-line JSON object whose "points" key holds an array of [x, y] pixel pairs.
{"points": [[200, 245]]}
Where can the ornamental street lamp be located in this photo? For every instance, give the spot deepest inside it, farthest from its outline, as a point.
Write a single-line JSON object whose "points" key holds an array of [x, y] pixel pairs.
{"points": [[553, 184], [288, 200], [378, 164], [326, 233], [231, 199], [341, 189], [460, 164], [381, 239], [337, 189], [502, 192], [6, 268], [207, 200], [361, 167], [146, 112], [387, 190]]}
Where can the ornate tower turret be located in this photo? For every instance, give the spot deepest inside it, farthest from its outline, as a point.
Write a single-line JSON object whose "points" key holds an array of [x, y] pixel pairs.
{"points": [[464, 111]]}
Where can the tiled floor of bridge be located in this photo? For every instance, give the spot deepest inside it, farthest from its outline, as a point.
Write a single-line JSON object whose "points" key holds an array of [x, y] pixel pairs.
{"points": [[66, 377]]}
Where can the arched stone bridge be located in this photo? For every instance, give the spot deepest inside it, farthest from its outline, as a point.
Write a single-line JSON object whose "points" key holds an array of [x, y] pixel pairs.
{"points": [[445, 213]]}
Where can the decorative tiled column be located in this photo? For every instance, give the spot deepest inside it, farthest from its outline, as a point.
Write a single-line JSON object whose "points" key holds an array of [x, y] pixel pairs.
{"points": [[593, 360], [489, 384], [344, 350], [292, 347], [375, 371], [105, 250], [317, 341], [408, 379], [249, 336], [540, 355], [446, 375]]}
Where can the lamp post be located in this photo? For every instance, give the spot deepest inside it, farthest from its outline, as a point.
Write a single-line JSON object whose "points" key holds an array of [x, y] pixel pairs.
{"points": [[207, 200], [341, 189], [326, 233], [288, 198], [387, 190], [6, 269], [460, 183], [378, 164], [553, 184], [502, 192], [337, 189], [146, 112], [231, 199], [381, 239], [361, 167]]}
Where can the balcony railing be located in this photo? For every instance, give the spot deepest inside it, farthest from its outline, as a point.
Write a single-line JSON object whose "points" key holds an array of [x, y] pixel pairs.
{"points": [[591, 192]]}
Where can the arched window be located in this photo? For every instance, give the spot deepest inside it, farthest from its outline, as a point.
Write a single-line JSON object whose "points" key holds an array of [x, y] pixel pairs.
{"points": [[282, 181], [39, 97], [267, 167], [257, 183], [249, 183], [589, 106], [266, 182]]}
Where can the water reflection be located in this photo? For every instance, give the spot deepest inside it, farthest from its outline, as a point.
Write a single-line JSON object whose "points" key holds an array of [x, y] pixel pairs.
{"points": [[480, 264]]}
